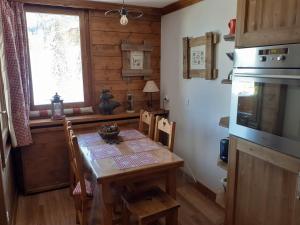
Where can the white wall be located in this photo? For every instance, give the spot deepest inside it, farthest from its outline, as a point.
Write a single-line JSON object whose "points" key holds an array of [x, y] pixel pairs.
{"points": [[197, 105]]}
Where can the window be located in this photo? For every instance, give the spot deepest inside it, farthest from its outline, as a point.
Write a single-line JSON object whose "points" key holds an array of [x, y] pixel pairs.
{"points": [[56, 60]]}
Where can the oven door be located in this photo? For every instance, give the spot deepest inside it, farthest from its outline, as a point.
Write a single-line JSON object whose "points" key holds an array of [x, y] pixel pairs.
{"points": [[265, 108]]}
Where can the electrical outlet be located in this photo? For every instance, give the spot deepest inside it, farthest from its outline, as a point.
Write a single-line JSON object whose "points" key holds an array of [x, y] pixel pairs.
{"points": [[166, 99]]}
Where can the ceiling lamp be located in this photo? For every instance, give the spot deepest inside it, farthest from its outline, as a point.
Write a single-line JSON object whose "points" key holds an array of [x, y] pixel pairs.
{"points": [[125, 13]]}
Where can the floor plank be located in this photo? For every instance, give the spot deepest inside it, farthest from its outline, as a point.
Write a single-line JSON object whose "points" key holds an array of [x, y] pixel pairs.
{"points": [[56, 208]]}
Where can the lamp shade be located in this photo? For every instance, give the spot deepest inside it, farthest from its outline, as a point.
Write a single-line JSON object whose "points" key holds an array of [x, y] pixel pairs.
{"points": [[151, 87]]}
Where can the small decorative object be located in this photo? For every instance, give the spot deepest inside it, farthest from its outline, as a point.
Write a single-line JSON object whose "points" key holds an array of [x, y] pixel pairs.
{"points": [[57, 108], [130, 107], [109, 133], [232, 26], [150, 88], [124, 13], [199, 56], [136, 59], [106, 104]]}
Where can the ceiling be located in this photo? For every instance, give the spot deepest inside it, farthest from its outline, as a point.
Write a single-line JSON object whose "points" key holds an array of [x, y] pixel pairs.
{"points": [[149, 3]]}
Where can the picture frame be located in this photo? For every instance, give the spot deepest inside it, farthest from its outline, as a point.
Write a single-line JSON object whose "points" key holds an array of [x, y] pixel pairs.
{"points": [[199, 56], [136, 59]]}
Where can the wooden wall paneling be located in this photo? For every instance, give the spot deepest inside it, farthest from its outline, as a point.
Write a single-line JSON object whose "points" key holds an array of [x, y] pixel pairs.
{"points": [[106, 37], [86, 57], [178, 5], [92, 5], [115, 38]]}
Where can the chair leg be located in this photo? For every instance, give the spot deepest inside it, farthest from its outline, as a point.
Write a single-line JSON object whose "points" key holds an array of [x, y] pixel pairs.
{"points": [[125, 215], [172, 217], [77, 218], [72, 181], [85, 214]]}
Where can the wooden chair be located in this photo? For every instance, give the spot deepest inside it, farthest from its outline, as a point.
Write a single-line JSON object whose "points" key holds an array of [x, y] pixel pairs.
{"points": [[83, 192], [149, 206], [72, 179], [163, 125], [148, 119]]}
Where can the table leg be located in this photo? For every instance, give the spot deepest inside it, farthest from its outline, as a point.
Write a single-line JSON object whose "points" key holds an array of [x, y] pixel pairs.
{"points": [[171, 219], [107, 205], [171, 183]]}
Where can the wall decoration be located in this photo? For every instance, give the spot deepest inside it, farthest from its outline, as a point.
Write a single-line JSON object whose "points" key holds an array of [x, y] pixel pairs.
{"points": [[199, 56], [136, 59]]}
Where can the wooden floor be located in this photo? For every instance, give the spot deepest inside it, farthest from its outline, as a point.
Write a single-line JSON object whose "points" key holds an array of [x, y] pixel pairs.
{"points": [[56, 208]]}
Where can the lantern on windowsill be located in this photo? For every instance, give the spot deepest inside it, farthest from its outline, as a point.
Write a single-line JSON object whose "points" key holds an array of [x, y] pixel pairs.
{"points": [[57, 108]]}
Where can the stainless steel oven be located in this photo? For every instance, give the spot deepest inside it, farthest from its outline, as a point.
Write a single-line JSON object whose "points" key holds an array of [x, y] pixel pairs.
{"points": [[265, 106]]}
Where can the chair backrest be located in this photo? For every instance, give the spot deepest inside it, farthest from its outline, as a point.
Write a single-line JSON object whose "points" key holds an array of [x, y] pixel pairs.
{"points": [[77, 163], [163, 125], [67, 129], [148, 119]]}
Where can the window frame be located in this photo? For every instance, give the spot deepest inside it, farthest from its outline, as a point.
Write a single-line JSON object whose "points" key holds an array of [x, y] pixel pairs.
{"points": [[85, 54]]}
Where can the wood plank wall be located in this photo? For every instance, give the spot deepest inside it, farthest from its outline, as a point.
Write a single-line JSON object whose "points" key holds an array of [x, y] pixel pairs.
{"points": [[106, 35]]}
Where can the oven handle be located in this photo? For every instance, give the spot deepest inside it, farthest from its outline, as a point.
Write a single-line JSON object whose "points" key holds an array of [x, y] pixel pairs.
{"points": [[267, 73], [267, 76]]}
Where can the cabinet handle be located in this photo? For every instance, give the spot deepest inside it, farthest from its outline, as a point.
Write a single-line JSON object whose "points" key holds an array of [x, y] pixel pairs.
{"points": [[298, 187]]}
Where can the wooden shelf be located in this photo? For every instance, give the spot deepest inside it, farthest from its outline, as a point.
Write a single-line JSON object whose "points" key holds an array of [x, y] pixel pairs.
{"points": [[229, 37], [222, 165], [38, 123], [226, 81], [224, 122]]}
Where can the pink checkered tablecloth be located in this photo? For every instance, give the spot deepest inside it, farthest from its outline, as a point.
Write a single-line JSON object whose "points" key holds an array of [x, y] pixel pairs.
{"points": [[104, 151], [127, 135], [135, 160], [90, 139], [142, 145]]}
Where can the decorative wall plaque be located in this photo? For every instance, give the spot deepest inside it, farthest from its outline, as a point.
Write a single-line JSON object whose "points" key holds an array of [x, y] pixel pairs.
{"points": [[136, 59], [199, 56]]}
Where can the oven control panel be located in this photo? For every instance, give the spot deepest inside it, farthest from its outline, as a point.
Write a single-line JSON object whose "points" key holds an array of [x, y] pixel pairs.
{"points": [[274, 54], [281, 56]]}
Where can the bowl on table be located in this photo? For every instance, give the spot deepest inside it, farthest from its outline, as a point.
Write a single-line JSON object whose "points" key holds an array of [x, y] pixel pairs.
{"points": [[110, 133]]}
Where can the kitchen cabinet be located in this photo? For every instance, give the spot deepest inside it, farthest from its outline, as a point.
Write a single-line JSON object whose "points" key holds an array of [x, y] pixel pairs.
{"points": [[263, 186], [267, 22]]}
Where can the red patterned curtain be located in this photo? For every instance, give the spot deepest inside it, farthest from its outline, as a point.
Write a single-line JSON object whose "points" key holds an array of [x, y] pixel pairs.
{"points": [[15, 69]]}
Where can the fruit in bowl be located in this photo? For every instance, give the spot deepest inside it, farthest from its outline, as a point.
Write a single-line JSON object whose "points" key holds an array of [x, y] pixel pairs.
{"points": [[109, 132]]}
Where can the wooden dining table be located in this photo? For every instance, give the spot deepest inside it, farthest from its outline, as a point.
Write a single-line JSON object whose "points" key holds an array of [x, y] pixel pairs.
{"points": [[135, 159]]}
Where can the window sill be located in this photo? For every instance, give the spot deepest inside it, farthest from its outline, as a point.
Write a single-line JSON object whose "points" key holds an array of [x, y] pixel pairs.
{"points": [[44, 123]]}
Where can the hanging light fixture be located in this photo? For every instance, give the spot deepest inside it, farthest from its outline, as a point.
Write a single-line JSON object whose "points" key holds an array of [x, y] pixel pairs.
{"points": [[125, 13]]}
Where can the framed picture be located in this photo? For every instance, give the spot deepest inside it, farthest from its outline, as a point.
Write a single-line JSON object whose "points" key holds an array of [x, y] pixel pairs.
{"points": [[199, 56], [136, 60]]}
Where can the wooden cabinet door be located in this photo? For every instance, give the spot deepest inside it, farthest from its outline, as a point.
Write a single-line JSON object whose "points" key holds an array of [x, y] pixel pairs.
{"points": [[267, 22], [263, 186]]}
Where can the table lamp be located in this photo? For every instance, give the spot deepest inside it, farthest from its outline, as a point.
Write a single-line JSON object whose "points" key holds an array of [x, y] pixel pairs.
{"points": [[150, 88]]}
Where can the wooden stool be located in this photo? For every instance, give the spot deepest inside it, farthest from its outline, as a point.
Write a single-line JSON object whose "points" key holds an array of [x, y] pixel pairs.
{"points": [[149, 206]]}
